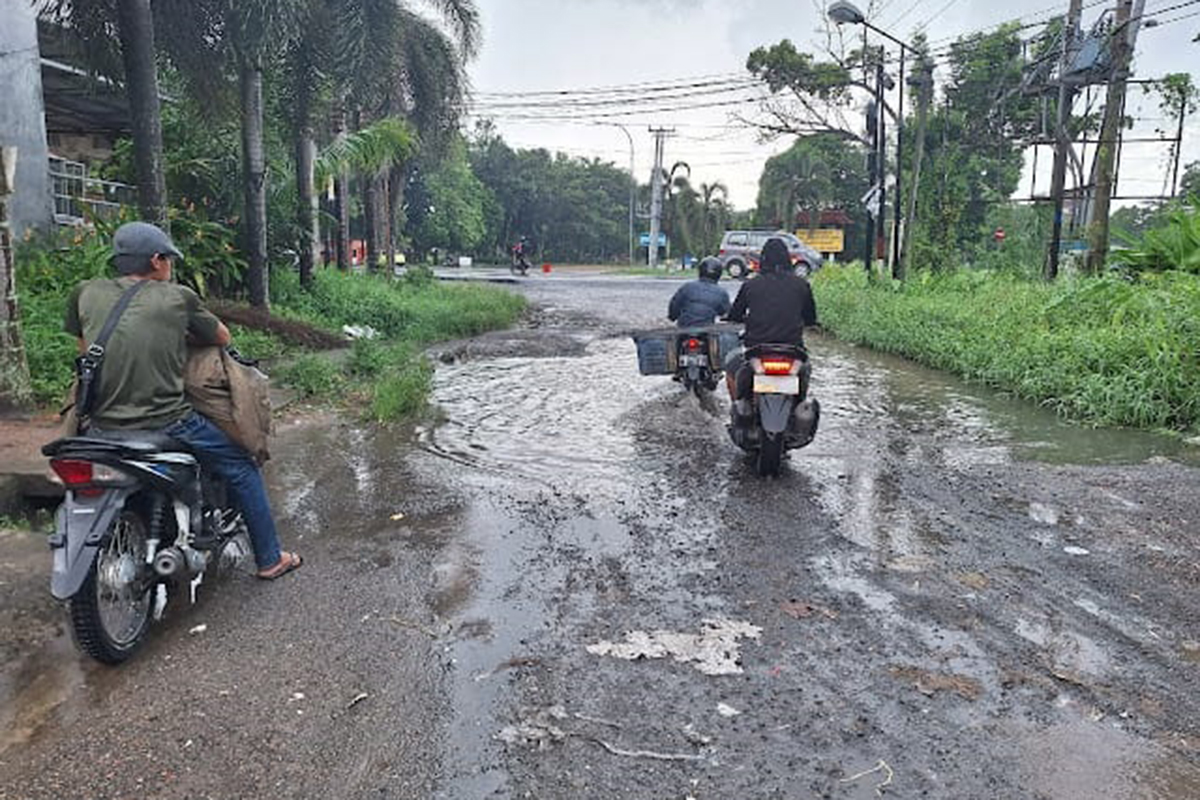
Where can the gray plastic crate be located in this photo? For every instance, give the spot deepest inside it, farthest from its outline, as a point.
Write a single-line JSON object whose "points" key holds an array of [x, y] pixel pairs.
{"points": [[656, 353]]}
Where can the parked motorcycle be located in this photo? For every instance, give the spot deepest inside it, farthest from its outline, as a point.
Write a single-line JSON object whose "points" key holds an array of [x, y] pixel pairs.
{"points": [[139, 515], [774, 413]]}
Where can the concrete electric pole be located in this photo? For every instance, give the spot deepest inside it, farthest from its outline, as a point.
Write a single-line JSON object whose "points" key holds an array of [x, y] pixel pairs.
{"points": [[1062, 142], [1124, 38], [656, 194]]}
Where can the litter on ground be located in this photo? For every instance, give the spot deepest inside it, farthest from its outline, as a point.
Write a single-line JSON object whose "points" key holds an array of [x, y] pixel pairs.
{"points": [[713, 651]]}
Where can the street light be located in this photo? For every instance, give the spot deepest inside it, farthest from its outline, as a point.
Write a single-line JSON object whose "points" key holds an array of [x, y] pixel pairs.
{"points": [[844, 12], [632, 182]]}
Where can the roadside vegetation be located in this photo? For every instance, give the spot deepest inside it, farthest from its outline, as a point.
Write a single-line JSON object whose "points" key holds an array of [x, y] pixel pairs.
{"points": [[386, 378], [1122, 349]]}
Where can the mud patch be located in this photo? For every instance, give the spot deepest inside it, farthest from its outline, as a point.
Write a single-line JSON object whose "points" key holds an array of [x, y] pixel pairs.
{"points": [[714, 651], [930, 683]]}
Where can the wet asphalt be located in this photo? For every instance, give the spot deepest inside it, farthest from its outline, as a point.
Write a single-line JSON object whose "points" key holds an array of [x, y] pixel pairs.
{"points": [[949, 594]]}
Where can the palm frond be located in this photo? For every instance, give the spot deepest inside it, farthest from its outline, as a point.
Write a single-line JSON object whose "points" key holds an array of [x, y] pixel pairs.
{"points": [[375, 149], [463, 18]]}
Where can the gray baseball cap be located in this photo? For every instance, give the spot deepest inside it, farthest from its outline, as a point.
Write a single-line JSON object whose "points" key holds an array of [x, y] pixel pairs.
{"points": [[142, 239]]}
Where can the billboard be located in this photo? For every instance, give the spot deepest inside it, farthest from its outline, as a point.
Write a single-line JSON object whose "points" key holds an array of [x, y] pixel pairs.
{"points": [[824, 240]]}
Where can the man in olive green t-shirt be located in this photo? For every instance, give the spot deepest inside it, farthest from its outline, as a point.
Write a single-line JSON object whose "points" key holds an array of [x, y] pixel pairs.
{"points": [[141, 379]]}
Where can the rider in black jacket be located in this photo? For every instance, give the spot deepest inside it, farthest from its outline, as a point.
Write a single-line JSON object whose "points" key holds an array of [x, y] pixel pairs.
{"points": [[776, 307]]}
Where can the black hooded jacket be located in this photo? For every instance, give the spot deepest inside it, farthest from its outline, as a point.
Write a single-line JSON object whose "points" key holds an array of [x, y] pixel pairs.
{"points": [[776, 308]]}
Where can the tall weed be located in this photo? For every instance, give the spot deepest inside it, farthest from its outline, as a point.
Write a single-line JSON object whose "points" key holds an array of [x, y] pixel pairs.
{"points": [[1106, 351]]}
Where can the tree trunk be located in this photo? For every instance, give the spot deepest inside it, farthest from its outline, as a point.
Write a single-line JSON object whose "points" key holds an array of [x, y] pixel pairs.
{"points": [[254, 181], [136, 31], [341, 199], [14, 369], [309, 243], [388, 218], [370, 246], [1105, 160]]}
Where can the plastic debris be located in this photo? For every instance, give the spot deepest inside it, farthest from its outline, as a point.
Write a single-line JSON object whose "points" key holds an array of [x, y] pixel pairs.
{"points": [[399, 515], [358, 698], [1072, 550], [360, 331], [197, 629], [714, 651], [726, 710], [883, 767]]}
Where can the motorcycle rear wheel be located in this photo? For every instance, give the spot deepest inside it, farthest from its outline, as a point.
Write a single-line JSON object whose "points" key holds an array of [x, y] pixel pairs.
{"points": [[770, 454], [109, 615]]}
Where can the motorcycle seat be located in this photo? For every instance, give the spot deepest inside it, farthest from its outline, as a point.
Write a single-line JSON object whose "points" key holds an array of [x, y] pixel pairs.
{"points": [[140, 441]]}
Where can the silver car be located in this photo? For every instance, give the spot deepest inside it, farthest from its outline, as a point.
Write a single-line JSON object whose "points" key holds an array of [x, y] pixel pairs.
{"points": [[741, 251]]}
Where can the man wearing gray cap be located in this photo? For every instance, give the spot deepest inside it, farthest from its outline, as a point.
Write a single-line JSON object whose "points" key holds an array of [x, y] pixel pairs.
{"points": [[141, 385]]}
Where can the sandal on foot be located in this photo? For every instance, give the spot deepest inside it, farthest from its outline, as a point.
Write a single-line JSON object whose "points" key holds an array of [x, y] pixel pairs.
{"points": [[287, 562]]}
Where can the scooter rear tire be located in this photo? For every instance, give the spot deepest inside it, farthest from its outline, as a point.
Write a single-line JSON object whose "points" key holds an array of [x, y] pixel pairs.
{"points": [[770, 454], [94, 633]]}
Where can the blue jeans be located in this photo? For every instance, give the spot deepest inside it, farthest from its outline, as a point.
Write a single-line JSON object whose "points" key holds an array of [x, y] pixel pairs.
{"points": [[217, 453]]}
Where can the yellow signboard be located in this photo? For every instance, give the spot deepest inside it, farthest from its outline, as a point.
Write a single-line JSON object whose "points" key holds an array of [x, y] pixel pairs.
{"points": [[824, 240]]}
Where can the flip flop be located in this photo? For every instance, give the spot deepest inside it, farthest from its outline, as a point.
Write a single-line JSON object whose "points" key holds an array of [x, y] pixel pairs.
{"points": [[287, 563]]}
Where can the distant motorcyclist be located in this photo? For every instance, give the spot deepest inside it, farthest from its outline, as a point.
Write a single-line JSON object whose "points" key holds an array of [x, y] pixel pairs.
{"points": [[702, 301], [520, 254], [776, 307]]}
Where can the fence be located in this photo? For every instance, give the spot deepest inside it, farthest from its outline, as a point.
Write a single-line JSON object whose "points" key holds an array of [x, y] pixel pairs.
{"points": [[79, 199]]}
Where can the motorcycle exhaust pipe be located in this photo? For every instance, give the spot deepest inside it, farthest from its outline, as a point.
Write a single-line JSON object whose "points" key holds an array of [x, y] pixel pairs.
{"points": [[168, 561]]}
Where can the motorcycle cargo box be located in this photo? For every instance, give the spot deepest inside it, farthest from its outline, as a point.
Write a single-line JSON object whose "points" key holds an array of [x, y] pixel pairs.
{"points": [[656, 351], [728, 338]]}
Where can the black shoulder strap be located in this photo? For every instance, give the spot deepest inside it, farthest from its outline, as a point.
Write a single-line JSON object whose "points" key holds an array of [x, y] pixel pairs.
{"points": [[96, 348]]}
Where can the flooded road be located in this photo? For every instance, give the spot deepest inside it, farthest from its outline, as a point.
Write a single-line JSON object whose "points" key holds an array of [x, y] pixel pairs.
{"points": [[571, 584]]}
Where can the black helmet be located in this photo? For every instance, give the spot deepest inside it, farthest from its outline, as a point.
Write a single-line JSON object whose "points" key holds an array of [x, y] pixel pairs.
{"points": [[710, 269], [775, 257]]}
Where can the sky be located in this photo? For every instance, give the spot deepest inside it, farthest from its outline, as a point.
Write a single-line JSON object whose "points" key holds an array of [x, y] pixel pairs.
{"points": [[549, 45]]}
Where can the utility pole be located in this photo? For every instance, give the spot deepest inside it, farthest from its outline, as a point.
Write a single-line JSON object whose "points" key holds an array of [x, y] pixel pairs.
{"points": [[874, 199], [898, 212], [14, 369], [656, 194], [924, 86], [1066, 98], [881, 158], [1124, 37], [1183, 109]]}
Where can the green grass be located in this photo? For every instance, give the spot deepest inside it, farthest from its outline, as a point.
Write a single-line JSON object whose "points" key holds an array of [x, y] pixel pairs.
{"points": [[1105, 351], [389, 372]]}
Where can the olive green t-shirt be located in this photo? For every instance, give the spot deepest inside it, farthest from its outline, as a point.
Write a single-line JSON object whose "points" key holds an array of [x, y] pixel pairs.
{"points": [[141, 379]]}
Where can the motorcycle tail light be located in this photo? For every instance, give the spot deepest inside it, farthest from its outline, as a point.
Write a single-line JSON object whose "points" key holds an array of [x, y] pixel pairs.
{"points": [[779, 366], [73, 473], [83, 476], [693, 344]]}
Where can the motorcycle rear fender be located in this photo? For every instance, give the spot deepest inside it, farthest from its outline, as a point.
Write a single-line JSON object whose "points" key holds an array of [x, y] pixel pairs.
{"points": [[775, 411], [80, 529]]}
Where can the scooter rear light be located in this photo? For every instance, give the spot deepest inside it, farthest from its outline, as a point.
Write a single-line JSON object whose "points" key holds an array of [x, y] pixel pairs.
{"points": [[85, 477], [74, 473], [778, 366], [693, 345]]}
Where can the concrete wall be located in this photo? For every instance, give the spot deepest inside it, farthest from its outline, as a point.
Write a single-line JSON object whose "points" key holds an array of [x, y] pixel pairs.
{"points": [[22, 118]]}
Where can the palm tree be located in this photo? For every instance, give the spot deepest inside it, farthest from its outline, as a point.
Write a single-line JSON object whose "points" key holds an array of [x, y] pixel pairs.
{"points": [[715, 211], [202, 34], [94, 23], [384, 61]]}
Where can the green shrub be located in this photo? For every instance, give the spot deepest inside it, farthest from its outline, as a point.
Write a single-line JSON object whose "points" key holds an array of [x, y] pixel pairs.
{"points": [[413, 311], [1173, 244], [368, 358], [312, 376], [402, 393], [1107, 351]]}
